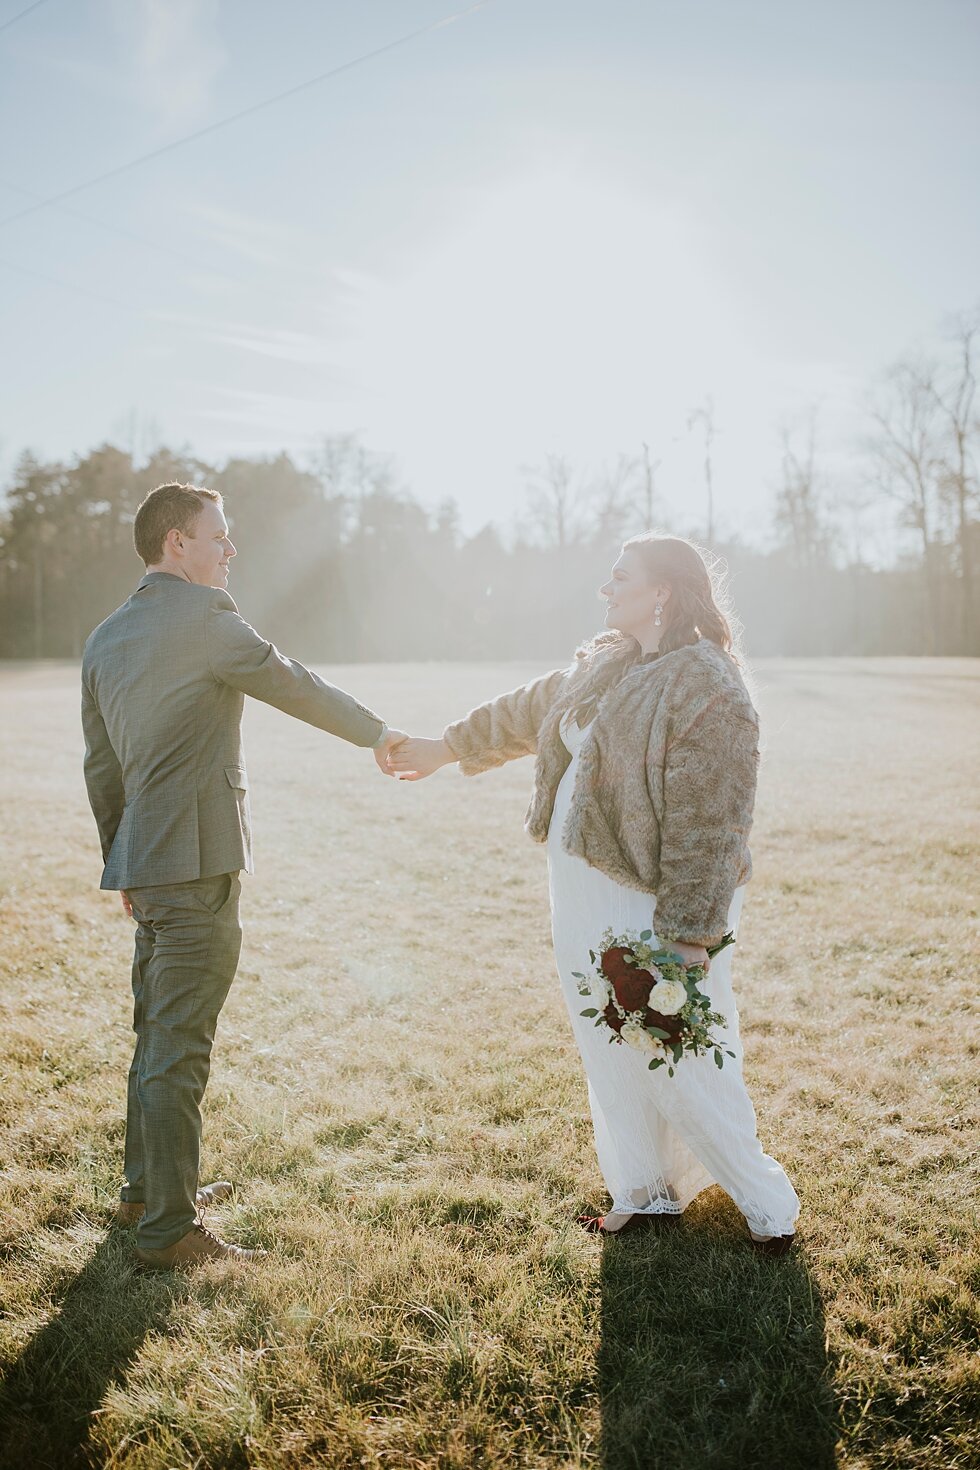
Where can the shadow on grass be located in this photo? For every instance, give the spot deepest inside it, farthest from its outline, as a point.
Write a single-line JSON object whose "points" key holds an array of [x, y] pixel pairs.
{"points": [[50, 1391], [712, 1358]]}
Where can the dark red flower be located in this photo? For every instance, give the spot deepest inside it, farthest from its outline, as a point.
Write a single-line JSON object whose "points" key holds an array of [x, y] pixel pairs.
{"points": [[613, 1018], [673, 1025], [632, 986]]}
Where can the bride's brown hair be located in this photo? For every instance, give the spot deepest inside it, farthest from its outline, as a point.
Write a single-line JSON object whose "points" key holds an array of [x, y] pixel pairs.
{"points": [[698, 607]]}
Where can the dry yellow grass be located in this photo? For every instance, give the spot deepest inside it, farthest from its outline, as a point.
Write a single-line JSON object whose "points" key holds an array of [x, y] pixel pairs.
{"points": [[396, 1090]]}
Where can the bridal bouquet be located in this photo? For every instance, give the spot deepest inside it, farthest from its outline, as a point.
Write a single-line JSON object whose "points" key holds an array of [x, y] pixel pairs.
{"points": [[651, 1000]]}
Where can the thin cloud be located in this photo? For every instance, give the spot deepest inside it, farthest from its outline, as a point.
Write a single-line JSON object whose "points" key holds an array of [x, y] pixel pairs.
{"points": [[306, 349], [285, 346], [174, 53], [258, 240], [271, 419]]}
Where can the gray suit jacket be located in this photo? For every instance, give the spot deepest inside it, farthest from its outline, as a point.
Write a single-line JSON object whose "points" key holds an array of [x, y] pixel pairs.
{"points": [[163, 686]]}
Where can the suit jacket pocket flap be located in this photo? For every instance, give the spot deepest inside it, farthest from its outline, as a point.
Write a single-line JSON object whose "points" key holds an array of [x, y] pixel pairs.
{"points": [[237, 777]]}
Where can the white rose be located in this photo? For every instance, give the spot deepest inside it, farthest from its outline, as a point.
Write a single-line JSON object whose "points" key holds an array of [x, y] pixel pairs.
{"points": [[637, 1035], [667, 997]]}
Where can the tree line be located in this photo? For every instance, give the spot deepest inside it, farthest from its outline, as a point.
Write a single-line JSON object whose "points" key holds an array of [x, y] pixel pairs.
{"points": [[345, 565]]}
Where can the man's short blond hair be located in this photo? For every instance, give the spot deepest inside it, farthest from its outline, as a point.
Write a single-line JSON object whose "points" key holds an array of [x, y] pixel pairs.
{"points": [[172, 507]]}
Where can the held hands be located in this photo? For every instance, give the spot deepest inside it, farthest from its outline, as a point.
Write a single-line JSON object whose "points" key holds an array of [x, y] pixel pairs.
{"points": [[382, 752], [412, 758]]}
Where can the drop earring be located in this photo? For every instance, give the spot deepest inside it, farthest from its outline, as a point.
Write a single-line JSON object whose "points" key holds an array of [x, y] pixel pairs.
{"points": [[658, 615]]}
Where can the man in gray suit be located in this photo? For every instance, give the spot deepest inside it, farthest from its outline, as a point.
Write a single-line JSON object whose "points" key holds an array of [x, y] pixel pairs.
{"points": [[163, 686]]}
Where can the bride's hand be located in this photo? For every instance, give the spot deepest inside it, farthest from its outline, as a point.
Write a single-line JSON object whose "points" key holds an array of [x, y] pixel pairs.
{"points": [[415, 758], [691, 954]]}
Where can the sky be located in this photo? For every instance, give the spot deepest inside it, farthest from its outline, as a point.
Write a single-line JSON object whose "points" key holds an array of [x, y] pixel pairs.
{"points": [[545, 227]]}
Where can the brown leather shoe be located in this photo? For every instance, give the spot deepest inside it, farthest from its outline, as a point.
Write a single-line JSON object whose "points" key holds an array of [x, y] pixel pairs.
{"points": [[772, 1245], [213, 1194], [131, 1212], [196, 1248]]}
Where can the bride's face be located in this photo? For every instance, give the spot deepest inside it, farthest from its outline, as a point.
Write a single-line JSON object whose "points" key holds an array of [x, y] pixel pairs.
{"points": [[631, 598]]}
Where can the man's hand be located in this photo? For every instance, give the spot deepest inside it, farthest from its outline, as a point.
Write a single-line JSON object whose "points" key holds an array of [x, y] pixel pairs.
{"points": [[382, 751], [415, 758], [126, 904]]}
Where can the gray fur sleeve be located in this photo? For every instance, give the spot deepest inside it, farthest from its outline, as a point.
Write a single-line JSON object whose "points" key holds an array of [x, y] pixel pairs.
{"points": [[710, 781], [504, 728]]}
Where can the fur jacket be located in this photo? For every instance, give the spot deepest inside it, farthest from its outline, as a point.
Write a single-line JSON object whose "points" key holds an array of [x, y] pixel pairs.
{"points": [[665, 784]]}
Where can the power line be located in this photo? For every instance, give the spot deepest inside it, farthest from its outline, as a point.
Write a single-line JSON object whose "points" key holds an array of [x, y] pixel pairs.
{"points": [[21, 13], [225, 122]]}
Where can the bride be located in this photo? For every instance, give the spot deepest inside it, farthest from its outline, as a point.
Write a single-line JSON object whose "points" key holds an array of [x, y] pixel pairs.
{"points": [[644, 785]]}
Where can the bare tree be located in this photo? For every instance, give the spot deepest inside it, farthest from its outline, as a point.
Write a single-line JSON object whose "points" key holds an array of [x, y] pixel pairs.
{"points": [[554, 504], [613, 500], [336, 464], [705, 416], [349, 474], [802, 523], [907, 450], [954, 400], [800, 515], [650, 468]]}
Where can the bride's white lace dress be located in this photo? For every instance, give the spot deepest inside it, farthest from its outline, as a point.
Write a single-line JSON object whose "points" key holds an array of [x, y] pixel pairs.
{"points": [[660, 1140]]}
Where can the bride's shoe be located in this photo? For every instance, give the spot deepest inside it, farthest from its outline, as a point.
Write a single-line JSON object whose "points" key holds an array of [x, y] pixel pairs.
{"points": [[771, 1245]]}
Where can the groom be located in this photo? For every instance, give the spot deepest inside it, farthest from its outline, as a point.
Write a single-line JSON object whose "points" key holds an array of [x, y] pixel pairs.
{"points": [[163, 685]]}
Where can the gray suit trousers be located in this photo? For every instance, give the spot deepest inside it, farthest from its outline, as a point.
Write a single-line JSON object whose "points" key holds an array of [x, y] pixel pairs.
{"points": [[187, 947]]}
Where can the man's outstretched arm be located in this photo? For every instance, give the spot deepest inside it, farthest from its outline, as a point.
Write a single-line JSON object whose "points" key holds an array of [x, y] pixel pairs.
{"points": [[241, 657]]}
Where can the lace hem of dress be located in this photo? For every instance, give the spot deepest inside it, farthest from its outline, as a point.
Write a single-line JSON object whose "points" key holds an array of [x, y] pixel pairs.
{"points": [[663, 1199], [657, 1198]]}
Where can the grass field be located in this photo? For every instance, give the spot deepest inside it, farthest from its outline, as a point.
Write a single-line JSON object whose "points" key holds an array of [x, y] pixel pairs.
{"points": [[396, 1091]]}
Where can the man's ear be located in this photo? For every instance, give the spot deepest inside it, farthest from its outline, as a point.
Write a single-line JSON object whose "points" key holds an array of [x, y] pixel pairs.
{"points": [[174, 541]]}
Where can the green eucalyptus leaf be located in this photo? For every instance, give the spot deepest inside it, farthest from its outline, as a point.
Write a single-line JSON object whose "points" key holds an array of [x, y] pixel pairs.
{"points": [[591, 1012]]}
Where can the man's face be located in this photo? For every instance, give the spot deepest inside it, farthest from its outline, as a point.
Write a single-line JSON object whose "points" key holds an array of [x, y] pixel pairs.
{"points": [[207, 553]]}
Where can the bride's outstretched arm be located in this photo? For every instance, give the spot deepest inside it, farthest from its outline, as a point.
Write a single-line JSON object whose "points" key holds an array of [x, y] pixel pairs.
{"points": [[505, 728], [501, 730]]}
